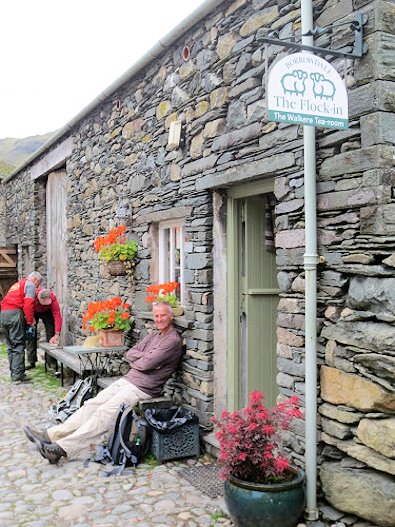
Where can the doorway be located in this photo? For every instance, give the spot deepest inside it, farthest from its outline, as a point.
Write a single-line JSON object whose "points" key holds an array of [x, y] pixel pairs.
{"points": [[253, 293]]}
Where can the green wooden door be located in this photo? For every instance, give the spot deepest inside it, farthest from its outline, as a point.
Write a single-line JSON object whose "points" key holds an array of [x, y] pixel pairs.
{"points": [[255, 297]]}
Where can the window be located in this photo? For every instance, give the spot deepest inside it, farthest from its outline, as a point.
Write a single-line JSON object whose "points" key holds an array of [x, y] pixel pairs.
{"points": [[171, 253]]}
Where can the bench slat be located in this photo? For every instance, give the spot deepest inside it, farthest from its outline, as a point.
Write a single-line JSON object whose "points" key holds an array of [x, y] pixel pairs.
{"points": [[65, 358], [104, 382]]}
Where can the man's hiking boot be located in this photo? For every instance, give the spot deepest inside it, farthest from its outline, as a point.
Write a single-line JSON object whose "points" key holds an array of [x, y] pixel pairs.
{"points": [[21, 380], [51, 451], [36, 435]]}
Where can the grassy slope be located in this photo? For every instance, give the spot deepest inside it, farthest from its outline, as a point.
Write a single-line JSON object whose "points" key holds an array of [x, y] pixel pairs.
{"points": [[14, 151]]}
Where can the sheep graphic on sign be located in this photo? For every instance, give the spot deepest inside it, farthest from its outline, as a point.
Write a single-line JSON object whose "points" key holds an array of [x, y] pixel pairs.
{"points": [[322, 87], [294, 82], [305, 89]]}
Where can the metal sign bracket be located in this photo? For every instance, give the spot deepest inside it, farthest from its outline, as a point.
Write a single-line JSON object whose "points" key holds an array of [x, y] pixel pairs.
{"points": [[356, 25]]}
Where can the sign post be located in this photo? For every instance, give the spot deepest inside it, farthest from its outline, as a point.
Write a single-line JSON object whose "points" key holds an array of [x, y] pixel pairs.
{"points": [[306, 89]]}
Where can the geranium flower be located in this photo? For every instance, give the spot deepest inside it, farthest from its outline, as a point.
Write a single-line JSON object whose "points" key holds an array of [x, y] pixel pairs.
{"points": [[163, 293], [115, 246], [108, 314]]}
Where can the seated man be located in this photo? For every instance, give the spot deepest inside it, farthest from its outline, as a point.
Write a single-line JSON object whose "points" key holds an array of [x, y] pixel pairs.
{"points": [[47, 309], [152, 362]]}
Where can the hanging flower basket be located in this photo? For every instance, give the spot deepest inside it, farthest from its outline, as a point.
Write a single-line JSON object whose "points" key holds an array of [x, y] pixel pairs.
{"points": [[116, 268], [118, 253]]}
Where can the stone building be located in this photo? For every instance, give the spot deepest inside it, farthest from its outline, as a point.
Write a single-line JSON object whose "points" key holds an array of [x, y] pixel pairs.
{"points": [[228, 200]]}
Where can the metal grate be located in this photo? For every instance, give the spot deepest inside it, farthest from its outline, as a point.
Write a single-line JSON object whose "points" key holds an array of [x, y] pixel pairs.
{"points": [[205, 479]]}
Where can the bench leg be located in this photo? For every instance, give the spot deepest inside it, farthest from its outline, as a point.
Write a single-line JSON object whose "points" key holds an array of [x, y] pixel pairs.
{"points": [[61, 374]]}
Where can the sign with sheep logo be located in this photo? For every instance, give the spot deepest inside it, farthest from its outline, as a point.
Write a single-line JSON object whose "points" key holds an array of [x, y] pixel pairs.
{"points": [[306, 89]]}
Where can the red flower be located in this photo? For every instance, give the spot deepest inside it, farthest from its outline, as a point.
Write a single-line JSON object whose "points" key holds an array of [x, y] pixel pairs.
{"points": [[249, 440], [252, 426], [106, 314], [114, 236], [255, 397], [281, 464], [162, 293]]}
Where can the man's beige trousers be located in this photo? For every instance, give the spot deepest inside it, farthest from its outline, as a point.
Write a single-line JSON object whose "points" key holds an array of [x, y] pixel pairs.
{"points": [[96, 417]]}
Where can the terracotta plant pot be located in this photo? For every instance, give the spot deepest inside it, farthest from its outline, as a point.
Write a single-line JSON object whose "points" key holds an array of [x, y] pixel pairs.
{"points": [[111, 338]]}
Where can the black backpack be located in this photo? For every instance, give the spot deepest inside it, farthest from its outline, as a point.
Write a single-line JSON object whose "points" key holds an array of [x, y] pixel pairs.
{"points": [[81, 391], [128, 444]]}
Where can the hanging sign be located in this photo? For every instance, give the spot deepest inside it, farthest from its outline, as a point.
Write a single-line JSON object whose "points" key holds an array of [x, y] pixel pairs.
{"points": [[306, 89]]}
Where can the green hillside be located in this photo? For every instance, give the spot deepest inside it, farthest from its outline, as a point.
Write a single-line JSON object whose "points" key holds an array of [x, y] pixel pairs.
{"points": [[5, 168], [13, 152]]}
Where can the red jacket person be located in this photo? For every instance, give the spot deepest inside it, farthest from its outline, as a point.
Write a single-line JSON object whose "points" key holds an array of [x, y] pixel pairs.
{"points": [[17, 312], [47, 309], [152, 362]]}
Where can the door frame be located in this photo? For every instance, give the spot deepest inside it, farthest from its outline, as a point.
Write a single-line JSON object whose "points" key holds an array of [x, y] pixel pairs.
{"points": [[254, 188]]}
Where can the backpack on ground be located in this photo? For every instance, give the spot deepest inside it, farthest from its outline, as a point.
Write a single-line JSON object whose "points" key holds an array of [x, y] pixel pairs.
{"points": [[81, 391], [128, 443]]}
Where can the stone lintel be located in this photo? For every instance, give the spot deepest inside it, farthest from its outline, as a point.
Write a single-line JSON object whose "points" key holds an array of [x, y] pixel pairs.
{"points": [[162, 215], [246, 171], [52, 159]]}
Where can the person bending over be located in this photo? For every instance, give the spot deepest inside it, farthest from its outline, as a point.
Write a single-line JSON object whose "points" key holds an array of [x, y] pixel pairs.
{"points": [[152, 362], [47, 309]]}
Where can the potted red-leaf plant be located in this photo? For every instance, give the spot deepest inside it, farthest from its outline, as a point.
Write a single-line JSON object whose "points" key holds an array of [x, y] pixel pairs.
{"points": [[261, 487]]}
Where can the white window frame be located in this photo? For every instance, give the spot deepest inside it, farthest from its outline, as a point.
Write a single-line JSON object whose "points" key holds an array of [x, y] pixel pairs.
{"points": [[167, 268]]}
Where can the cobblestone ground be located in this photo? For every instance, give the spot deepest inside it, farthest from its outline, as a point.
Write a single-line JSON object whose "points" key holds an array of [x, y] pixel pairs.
{"points": [[34, 493]]}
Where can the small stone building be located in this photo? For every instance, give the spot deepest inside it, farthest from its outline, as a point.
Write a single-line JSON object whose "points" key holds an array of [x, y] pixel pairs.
{"points": [[225, 205]]}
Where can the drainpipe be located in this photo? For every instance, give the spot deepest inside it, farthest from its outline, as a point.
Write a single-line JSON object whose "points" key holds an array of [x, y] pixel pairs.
{"points": [[310, 267]]}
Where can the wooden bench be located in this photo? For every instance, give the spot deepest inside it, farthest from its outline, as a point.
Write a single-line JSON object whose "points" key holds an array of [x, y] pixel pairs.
{"points": [[104, 382], [63, 358], [163, 401], [72, 361], [79, 359]]}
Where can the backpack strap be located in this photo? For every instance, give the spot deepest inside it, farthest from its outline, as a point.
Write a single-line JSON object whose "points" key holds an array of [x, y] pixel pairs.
{"points": [[127, 453], [103, 453], [141, 422]]}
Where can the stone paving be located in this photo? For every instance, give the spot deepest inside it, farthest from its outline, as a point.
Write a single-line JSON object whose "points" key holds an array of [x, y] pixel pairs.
{"points": [[34, 493]]}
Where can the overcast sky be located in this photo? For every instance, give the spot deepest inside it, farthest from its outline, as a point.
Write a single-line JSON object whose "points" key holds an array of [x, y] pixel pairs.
{"points": [[58, 55]]}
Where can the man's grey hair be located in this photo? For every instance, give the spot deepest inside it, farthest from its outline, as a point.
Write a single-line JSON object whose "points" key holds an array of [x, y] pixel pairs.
{"points": [[158, 304], [44, 294], [35, 276]]}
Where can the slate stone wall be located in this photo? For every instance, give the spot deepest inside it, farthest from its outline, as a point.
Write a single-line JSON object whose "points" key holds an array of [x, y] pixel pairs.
{"points": [[355, 179], [121, 159], [3, 212]]}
